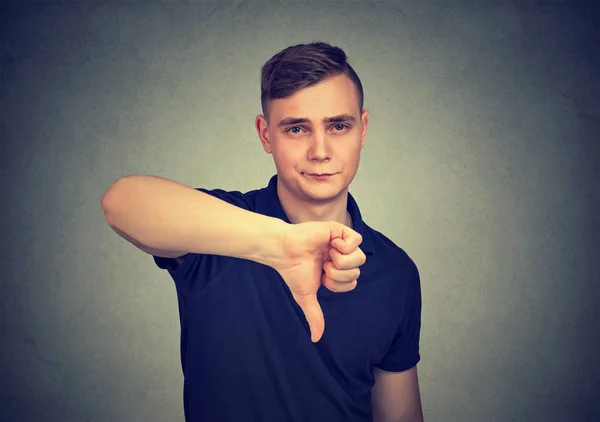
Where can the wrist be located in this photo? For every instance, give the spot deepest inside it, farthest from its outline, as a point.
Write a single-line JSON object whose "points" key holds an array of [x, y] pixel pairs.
{"points": [[269, 250]]}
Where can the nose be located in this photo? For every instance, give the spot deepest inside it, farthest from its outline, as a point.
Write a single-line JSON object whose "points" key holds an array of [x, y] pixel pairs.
{"points": [[318, 148]]}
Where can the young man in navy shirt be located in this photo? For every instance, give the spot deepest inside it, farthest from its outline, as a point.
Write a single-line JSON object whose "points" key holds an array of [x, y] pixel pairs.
{"points": [[283, 316]]}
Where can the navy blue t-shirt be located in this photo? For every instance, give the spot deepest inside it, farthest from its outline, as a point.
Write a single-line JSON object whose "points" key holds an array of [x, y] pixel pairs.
{"points": [[246, 350]]}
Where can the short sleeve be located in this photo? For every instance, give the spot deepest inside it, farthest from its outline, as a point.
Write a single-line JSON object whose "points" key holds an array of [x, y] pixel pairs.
{"points": [[189, 262], [404, 351]]}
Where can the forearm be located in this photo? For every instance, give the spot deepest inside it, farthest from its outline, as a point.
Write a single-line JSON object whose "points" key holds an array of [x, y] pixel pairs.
{"points": [[167, 215]]}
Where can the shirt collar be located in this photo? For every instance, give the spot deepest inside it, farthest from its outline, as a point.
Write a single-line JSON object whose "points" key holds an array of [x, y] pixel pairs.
{"points": [[267, 203]]}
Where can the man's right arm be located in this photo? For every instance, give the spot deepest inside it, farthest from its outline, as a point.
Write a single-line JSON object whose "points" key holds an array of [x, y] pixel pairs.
{"points": [[166, 218]]}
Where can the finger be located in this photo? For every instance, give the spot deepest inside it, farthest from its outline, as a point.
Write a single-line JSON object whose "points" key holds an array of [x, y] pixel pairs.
{"points": [[352, 237], [345, 262], [340, 276], [313, 314], [336, 286], [348, 244]]}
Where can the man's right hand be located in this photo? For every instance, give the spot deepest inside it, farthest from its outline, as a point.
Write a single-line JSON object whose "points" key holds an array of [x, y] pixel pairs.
{"points": [[315, 253]]}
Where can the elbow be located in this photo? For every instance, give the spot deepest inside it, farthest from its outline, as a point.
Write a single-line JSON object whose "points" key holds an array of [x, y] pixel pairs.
{"points": [[109, 197], [106, 198], [106, 201]]}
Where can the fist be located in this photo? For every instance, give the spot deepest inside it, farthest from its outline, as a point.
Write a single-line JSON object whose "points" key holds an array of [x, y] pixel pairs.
{"points": [[315, 253], [340, 270]]}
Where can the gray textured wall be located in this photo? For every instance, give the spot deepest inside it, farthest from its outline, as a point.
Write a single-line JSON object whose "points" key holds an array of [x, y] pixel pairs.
{"points": [[482, 161]]}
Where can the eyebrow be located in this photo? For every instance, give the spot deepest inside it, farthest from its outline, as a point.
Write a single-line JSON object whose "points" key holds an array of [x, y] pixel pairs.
{"points": [[335, 119]]}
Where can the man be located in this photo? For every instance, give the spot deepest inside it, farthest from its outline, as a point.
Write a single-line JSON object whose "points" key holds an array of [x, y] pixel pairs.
{"points": [[278, 323]]}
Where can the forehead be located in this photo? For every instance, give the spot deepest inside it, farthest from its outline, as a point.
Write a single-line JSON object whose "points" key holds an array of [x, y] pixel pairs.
{"points": [[333, 96]]}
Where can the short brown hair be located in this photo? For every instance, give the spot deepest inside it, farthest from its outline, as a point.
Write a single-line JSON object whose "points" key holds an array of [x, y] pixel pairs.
{"points": [[303, 65]]}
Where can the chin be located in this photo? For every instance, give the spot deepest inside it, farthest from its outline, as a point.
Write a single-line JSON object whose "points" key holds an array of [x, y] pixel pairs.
{"points": [[322, 190]]}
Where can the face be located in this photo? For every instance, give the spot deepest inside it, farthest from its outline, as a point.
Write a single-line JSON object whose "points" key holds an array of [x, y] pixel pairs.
{"points": [[317, 130]]}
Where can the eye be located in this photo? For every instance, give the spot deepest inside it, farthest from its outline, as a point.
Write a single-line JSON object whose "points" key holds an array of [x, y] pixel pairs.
{"points": [[339, 127], [291, 129]]}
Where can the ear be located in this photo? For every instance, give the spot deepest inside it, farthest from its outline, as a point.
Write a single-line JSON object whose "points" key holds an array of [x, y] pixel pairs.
{"points": [[364, 118], [262, 128]]}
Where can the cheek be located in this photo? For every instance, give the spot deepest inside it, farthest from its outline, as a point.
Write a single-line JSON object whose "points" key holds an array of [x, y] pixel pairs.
{"points": [[288, 153], [285, 157], [350, 154]]}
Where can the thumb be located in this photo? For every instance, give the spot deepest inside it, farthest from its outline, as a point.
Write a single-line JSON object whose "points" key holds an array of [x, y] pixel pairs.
{"points": [[313, 314]]}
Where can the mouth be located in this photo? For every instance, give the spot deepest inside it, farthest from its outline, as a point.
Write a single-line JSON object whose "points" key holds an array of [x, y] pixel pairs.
{"points": [[319, 176]]}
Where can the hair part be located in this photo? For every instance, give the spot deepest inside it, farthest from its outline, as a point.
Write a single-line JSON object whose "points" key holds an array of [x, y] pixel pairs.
{"points": [[303, 65]]}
